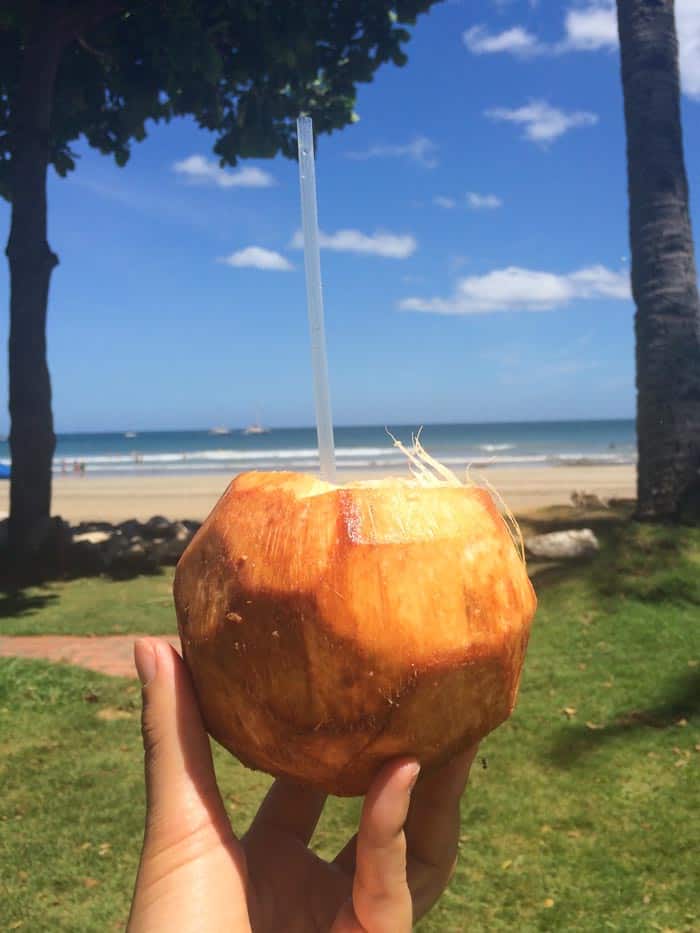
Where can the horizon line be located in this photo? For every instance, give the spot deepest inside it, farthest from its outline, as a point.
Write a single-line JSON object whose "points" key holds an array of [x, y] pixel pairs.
{"points": [[381, 424]]}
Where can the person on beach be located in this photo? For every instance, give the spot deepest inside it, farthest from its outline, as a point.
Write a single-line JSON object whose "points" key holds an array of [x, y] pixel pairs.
{"points": [[195, 874]]}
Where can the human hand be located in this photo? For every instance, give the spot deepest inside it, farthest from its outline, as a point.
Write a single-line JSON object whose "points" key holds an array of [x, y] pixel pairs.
{"points": [[196, 875]]}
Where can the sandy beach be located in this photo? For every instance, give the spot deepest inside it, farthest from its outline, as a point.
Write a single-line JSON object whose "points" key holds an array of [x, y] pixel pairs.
{"points": [[118, 498]]}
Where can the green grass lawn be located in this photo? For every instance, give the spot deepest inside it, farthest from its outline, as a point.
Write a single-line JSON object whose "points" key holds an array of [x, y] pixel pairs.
{"points": [[91, 606], [582, 812]]}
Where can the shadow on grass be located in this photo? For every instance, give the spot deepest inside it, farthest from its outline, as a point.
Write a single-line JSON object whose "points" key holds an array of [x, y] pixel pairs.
{"points": [[574, 741], [548, 574], [14, 580], [119, 573], [654, 563], [564, 517], [607, 524], [16, 602]]}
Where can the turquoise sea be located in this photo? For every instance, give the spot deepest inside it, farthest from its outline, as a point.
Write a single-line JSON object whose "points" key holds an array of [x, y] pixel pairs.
{"points": [[546, 443]]}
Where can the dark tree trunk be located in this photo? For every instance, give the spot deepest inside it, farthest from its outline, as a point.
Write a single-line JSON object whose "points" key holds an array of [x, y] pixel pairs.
{"points": [[664, 278], [31, 262]]}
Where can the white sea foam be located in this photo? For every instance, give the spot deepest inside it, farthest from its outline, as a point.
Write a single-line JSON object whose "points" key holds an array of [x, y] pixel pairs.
{"points": [[307, 460], [456, 453], [581, 459], [193, 456]]}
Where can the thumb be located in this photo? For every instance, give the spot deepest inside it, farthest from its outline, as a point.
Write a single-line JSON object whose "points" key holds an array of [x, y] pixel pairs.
{"points": [[181, 791], [191, 862]]}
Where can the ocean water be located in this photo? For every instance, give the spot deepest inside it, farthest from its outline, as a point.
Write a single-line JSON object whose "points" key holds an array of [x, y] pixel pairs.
{"points": [[547, 443]]}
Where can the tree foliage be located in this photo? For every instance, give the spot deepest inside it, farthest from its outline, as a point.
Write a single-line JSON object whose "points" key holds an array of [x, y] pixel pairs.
{"points": [[102, 70], [243, 69]]}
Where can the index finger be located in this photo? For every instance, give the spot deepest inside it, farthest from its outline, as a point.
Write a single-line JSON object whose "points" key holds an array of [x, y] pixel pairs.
{"points": [[290, 808]]}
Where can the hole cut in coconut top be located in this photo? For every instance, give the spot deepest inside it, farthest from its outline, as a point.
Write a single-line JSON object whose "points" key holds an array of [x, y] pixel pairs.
{"points": [[427, 473]]}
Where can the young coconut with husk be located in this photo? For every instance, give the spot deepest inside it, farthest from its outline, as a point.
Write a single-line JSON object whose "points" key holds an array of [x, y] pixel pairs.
{"points": [[331, 628]]}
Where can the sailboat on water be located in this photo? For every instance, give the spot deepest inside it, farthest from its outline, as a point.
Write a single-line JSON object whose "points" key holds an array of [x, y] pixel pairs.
{"points": [[256, 427]]}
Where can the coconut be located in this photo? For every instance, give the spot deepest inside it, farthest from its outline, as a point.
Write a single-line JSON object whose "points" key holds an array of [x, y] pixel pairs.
{"points": [[330, 628]]}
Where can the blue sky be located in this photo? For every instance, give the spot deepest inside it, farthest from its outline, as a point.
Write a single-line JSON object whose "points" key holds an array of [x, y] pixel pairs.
{"points": [[475, 265]]}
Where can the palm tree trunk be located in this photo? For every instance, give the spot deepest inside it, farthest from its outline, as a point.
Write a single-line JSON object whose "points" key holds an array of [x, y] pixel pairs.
{"points": [[664, 278], [31, 262]]}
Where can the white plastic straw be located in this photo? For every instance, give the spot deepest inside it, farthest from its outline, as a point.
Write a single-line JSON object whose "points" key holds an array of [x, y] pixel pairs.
{"points": [[314, 298]]}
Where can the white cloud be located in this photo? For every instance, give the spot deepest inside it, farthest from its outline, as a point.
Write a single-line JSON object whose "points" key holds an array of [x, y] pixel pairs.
{"points": [[474, 200], [517, 289], [421, 150], [517, 41], [688, 27], [595, 27], [388, 245], [590, 28], [197, 169], [594, 281], [586, 28], [441, 201], [479, 202], [256, 257], [542, 122]]}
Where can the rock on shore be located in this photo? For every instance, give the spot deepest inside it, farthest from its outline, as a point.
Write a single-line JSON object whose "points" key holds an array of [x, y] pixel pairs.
{"points": [[563, 545], [130, 546]]}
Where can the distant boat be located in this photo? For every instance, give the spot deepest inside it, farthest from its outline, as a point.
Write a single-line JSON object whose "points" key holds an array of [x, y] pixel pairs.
{"points": [[255, 429], [219, 430], [130, 434]]}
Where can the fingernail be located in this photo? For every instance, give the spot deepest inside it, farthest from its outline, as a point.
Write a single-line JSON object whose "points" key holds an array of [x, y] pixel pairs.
{"points": [[145, 660], [414, 771]]}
